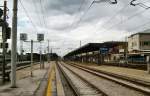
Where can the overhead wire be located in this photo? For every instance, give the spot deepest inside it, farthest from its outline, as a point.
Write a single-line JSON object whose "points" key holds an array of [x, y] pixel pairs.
{"points": [[127, 19], [137, 27], [37, 12], [83, 15], [116, 14], [28, 16], [42, 11], [81, 5]]}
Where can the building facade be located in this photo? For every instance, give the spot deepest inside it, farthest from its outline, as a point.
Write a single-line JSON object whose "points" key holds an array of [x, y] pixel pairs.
{"points": [[138, 47], [139, 43]]}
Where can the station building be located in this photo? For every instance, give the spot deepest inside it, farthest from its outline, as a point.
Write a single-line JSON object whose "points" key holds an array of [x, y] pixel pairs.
{"points": [[139, 46], [99, 53]]}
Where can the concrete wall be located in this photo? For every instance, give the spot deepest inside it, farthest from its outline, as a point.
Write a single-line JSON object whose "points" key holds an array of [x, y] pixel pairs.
{"points": [[133, 43]]}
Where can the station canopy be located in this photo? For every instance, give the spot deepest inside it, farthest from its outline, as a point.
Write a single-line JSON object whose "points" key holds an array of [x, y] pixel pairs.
{"points": [[90, 47]]}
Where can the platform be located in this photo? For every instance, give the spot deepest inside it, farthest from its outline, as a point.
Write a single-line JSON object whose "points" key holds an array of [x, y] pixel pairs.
{"points": [[128, 72], [26, 85]]}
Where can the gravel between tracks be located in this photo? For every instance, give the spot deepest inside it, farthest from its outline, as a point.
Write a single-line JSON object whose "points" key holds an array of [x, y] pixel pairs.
{"points": [[82, 87]]}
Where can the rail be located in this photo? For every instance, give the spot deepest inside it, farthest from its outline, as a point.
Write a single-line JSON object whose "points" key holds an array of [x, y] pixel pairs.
{"points": [[138, 85], [79, 84]]}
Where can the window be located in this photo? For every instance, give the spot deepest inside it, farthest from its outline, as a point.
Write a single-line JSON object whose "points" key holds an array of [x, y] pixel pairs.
{"points": [[145, 43]]}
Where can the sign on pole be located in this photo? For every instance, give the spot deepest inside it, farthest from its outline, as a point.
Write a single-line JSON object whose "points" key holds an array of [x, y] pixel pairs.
{"points": [[23, 36], [40, 37]]}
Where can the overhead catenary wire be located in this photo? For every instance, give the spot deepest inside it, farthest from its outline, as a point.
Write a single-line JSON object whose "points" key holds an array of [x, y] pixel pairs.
{"points": [[81, 5], [28, 16], [37, 12], [116, 14], [83, 15], [127, 19], [42, 11], [139, 26]]}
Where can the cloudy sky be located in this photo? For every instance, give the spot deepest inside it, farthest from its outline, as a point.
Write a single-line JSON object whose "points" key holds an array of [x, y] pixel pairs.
{"points": [[67, 22]]}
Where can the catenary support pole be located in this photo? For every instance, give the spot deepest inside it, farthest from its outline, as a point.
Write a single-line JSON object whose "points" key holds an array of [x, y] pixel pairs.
{"points": [[4, 40], [21, 50], [31, 58], [48, 57], [14, 44], [40, 56], [148, 64]]}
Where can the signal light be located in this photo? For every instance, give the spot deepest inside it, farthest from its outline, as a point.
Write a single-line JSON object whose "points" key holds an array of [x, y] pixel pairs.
{"points": [[8, 32], [1, 12]]}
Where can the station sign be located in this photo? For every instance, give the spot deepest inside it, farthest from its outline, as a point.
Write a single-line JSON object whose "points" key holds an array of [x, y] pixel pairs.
{"points": [[40, 37], [23, 36], [104, 50]]}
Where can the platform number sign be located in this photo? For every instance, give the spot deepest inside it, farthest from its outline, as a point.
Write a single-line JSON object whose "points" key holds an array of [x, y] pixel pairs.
{"points": [[40, 37], [104, 50], [23, 36]]}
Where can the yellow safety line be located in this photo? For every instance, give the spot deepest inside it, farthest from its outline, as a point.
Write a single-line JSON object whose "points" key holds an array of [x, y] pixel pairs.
{"points": [[50, 79], [49, 87]]}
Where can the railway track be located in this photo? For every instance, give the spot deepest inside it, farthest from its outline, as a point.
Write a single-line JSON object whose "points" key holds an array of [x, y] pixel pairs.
{"points": [[80, 85], [135, 84], [120, 86]]}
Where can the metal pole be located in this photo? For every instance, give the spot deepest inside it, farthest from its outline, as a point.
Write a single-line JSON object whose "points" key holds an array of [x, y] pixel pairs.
{"points": [[14, 44], [21, 50], [51, 55], [48, 57], [148, 64], [40, 56], [4, 40], [31, 58], [126, 51]]}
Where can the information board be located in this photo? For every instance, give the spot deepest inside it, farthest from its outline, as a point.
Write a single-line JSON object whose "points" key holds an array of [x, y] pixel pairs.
{"points": [[104, 50], [40, 37], [23, 36]]}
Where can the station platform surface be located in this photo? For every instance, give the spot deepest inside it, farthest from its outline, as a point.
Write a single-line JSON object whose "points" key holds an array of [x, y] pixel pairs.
{"points": [[26, 85], [128, 72]]}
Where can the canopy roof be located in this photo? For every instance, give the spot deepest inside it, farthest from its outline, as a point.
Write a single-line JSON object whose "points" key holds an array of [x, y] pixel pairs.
{"points": [[90, 47]]}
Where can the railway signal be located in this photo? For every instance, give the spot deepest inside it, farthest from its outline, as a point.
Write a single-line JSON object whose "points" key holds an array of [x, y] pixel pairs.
{"points": [[1, 12], [8, 33]]}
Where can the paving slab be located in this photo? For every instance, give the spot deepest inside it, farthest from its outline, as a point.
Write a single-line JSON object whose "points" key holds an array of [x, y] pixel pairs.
{"points": [[26, 85]]}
